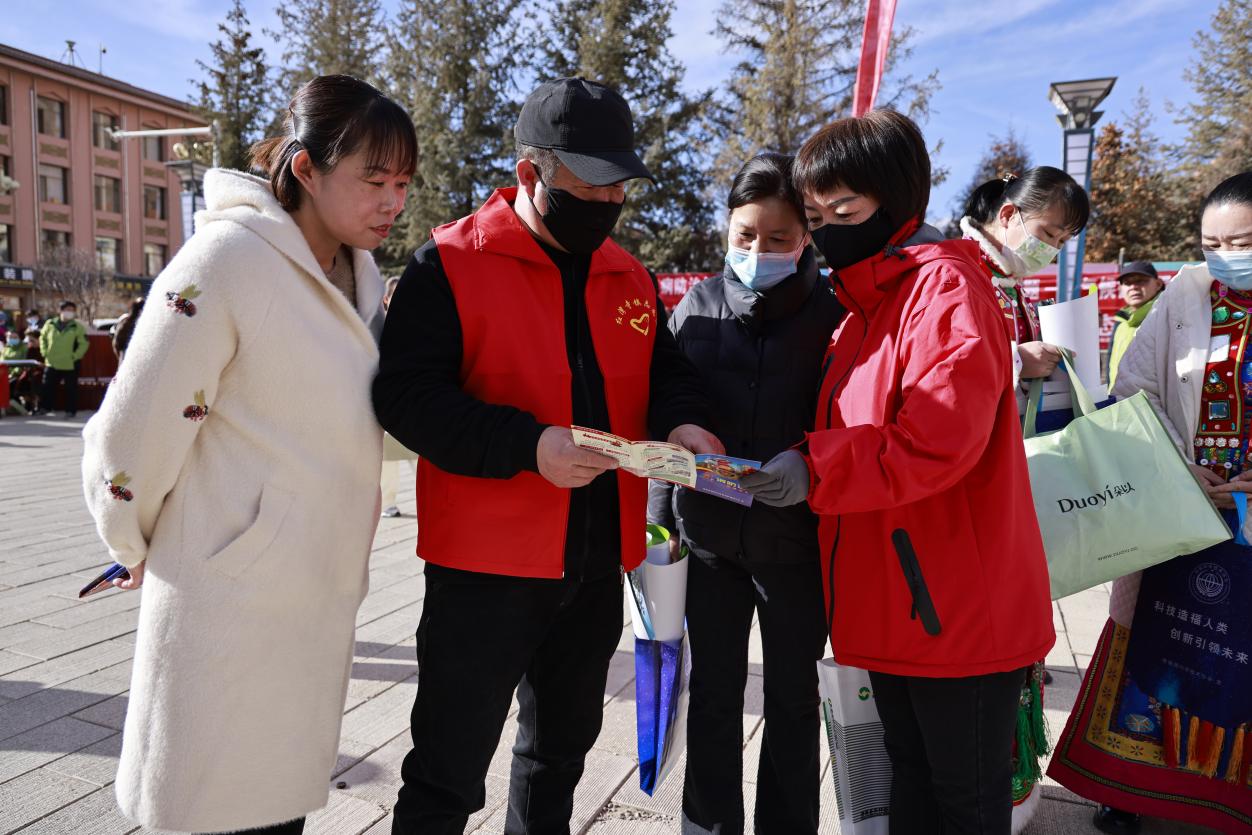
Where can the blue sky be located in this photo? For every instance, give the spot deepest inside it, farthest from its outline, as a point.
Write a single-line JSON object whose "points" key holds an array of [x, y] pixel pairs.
{"points": [[995, 57]]}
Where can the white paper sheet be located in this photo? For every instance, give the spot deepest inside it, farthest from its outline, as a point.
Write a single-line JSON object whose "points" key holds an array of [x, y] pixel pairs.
{"points": [[1075, 325], [665, 596]]}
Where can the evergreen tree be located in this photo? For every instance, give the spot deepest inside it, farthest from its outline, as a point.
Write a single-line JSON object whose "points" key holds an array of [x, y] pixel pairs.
{"points": [[1219, 121], [327, 37], [235, 91], [1004, 155], [797, 73], [1135, 202], [452, 65], [622, 43]]}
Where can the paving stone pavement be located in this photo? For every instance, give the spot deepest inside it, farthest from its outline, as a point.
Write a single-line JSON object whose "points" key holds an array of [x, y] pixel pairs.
{"points": [[65, 669]]}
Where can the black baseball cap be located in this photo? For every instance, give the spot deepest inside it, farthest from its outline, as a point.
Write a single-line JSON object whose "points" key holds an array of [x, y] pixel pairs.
{"points": [[1138, 268], [587, 125]]}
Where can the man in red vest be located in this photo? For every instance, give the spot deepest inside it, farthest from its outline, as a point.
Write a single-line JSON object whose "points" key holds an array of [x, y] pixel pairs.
{"points": [[508, 327]]}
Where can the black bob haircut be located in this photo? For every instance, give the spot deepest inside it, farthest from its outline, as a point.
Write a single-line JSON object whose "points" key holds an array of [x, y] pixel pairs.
{"points": [[331, 117], [1033, 193], [881, 155], [766, 175], [1235, 190]]}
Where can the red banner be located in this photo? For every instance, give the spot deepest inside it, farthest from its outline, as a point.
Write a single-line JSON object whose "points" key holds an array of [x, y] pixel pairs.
{"points": [[875, 40], [1038, 288]]}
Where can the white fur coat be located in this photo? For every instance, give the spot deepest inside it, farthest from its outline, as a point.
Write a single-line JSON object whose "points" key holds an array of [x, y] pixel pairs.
{"points": [[237, 453]]}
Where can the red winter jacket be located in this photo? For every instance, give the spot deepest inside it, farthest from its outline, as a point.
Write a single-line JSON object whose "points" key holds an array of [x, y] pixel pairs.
{"points": [[917, 429]]}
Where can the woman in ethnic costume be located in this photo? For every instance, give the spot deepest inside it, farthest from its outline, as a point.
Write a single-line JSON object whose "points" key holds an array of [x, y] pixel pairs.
{"points": [[1161, 722]]}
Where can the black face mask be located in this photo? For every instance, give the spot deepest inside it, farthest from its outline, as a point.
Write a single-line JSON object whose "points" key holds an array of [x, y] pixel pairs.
{"points": [[845, 245], [578, 225]]}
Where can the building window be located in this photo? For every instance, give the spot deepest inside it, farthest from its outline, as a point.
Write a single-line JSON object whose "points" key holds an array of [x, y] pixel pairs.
{"points": [[6, 244], [154, 148], [108, 194], [52, 239], [53, 184], [4, 104], [153, 259], [101, 124], [6, 164], [154, 202], [106, 254], [51, 117]]}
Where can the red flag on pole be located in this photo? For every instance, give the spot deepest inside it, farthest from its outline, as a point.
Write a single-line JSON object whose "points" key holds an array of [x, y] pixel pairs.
{"points": [[875, 40]]}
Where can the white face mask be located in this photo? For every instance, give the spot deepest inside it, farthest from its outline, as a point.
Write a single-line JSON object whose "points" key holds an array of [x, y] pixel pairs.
{"points": [[1034, 253], [759, 271], [68, 316]]}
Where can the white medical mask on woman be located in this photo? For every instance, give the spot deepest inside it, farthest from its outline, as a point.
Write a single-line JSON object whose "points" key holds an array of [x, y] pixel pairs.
{"points": [[1231, 267], [760, 271], [1034, 253]]}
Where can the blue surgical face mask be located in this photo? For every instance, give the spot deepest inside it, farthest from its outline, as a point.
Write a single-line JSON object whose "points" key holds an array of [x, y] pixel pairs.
{"points": [[14, 342], [760, 271], [1232, 268]]}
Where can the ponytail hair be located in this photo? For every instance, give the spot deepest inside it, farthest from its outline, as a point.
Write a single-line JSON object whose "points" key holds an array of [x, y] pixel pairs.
{"points": [[331, 117], [1034, 193]]}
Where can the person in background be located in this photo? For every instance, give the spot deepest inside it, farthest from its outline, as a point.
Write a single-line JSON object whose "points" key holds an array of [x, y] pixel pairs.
{"points": [[63, 343], [508, 326], [14, 349], [757, 334], [1019, 224], [125, 327], [917, 439], [26, 380], [394, 453], [5, 326], [1140, 286], [1161, 723], [33, 320], [233, 469]]}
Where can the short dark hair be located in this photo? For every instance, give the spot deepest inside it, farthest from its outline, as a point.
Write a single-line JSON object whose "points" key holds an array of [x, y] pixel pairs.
{"points": [[881, 155], [67, 304], [1035, 192], [768, 174], [1236, 190], [331, 117]]}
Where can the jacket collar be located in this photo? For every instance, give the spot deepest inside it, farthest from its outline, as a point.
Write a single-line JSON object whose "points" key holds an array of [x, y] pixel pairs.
{"points": [[864, 284], [1135, 317], [778, 302], [498, 229], [249, 201], [1006, 268]]}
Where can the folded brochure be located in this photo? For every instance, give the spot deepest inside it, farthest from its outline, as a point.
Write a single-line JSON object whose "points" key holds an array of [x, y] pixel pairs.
{"points": [[717, 475]]}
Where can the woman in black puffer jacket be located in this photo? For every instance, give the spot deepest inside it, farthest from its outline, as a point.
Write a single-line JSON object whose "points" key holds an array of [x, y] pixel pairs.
{"points": [[757, 334]]}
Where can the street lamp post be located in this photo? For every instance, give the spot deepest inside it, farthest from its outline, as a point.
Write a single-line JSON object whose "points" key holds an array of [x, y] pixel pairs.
{"points": [[190, 176], [1076, 101]]}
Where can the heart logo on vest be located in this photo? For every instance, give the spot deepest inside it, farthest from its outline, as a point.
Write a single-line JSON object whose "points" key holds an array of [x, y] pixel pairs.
{"points": [[643, 324]]}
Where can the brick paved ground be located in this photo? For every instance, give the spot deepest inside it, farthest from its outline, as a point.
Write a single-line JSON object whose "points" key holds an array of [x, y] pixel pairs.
{"points": [[65, 668]]}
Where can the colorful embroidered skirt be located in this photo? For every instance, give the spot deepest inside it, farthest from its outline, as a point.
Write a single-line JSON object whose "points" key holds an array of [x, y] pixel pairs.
{"points": [[1163, 721]]}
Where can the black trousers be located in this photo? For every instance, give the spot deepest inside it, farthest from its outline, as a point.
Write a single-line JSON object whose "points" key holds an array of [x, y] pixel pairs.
{"points": [[51, 377], [721, 597], [552, 640], [951, 746]]}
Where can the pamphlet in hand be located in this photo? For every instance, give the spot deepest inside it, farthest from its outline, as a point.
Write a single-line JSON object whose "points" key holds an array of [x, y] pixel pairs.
{"points": [[717, 475]]}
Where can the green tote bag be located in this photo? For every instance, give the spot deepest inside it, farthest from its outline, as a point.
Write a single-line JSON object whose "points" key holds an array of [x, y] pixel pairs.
{"points": [[1112, 493]]}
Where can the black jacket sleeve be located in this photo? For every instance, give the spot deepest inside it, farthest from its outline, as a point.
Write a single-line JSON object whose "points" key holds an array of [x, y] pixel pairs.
{"points": [[417, 393], [677, 393]]}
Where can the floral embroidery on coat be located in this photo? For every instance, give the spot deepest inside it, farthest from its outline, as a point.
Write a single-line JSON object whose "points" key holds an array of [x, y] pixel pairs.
{"points": [[197, 411], [183, 302]]}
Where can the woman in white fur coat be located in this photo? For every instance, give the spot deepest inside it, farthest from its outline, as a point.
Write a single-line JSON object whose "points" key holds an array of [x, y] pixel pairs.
{"points": [[1192, 360], [233, 468]]}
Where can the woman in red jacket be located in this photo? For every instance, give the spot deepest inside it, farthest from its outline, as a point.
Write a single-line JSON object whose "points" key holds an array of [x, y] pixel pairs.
{"points": [[935, 576]]}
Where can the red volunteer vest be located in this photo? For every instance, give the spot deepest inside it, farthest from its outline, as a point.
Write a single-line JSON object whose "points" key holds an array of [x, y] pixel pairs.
{"points": [[510, 302]]}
